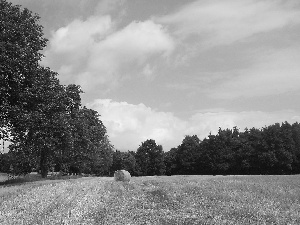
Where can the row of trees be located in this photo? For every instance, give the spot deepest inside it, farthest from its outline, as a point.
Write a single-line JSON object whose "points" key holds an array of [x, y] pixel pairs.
{"points": [[148, 160], [44, 120], [271, 150]]}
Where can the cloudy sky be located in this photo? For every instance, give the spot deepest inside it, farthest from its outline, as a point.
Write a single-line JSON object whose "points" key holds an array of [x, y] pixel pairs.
{"points": [[163, 69]]}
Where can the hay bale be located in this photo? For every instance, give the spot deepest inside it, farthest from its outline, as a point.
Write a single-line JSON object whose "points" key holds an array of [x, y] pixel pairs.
{"points": [[122, 175]]}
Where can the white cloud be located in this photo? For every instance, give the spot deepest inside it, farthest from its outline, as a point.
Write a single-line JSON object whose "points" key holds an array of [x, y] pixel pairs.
{"points": [[141, 37], [274, 73], [92, 52], [128, 125], [224, 22], [203, 123], [71, 46], [78, 35]]}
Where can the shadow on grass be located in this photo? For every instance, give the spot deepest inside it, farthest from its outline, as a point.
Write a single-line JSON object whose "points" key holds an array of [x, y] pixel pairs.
{"points": [[36, 177]]}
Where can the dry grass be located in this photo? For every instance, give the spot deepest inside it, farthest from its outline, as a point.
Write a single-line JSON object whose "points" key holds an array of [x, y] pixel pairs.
{"points": [[155, 200]]}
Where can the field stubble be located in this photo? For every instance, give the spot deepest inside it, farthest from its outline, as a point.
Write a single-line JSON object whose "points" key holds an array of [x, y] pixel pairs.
{"points": [[155, 200]]}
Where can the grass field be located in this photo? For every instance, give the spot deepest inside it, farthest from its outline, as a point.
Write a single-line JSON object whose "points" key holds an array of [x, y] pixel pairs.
{"points": [[154, 200]]}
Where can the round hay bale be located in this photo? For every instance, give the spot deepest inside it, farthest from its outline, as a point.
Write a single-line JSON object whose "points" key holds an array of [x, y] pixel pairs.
{"points": [[122, 175]]}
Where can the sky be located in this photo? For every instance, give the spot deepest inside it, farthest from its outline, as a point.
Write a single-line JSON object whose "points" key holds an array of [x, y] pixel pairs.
{"points": [[163, 69]]}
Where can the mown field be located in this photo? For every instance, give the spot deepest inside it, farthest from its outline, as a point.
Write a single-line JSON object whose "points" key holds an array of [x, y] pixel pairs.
{"points": [[154, 200]]}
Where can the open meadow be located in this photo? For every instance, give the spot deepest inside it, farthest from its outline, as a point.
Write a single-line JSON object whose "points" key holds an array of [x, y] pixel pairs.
{"points": [[154, 200]]}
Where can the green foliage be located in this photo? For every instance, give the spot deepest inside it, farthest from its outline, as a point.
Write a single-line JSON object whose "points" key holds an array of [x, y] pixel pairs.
{"points": [[40, 127], [187, 154], [5, 160], [101, 158], [170, 160], [87, 133], [21, 39], [43, 119], [129, 163], [271, 150], [125, 161], [150, 159]]}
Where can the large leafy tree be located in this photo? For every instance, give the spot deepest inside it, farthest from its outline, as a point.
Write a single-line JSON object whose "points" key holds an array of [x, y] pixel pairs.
{"points": [[90, 150], [66, 145], [101, 159], [150, 158], [188, 155], [43, 123], [21, 39]]}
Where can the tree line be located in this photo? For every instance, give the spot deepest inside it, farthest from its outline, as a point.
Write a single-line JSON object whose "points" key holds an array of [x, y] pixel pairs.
{"points": [[274, 149]]}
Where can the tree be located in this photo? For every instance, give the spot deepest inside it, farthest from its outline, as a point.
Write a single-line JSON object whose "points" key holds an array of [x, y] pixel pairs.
{"points": [[229, 144], [5, 162], [43, 123], [129, 163], [296, 155], [243, 154], [277, 149], [150, 159], [124, 161], [101, 159], [21, 39], [117, 161], [90, 149], [286, 150], [188, 155], [171, 161]]}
